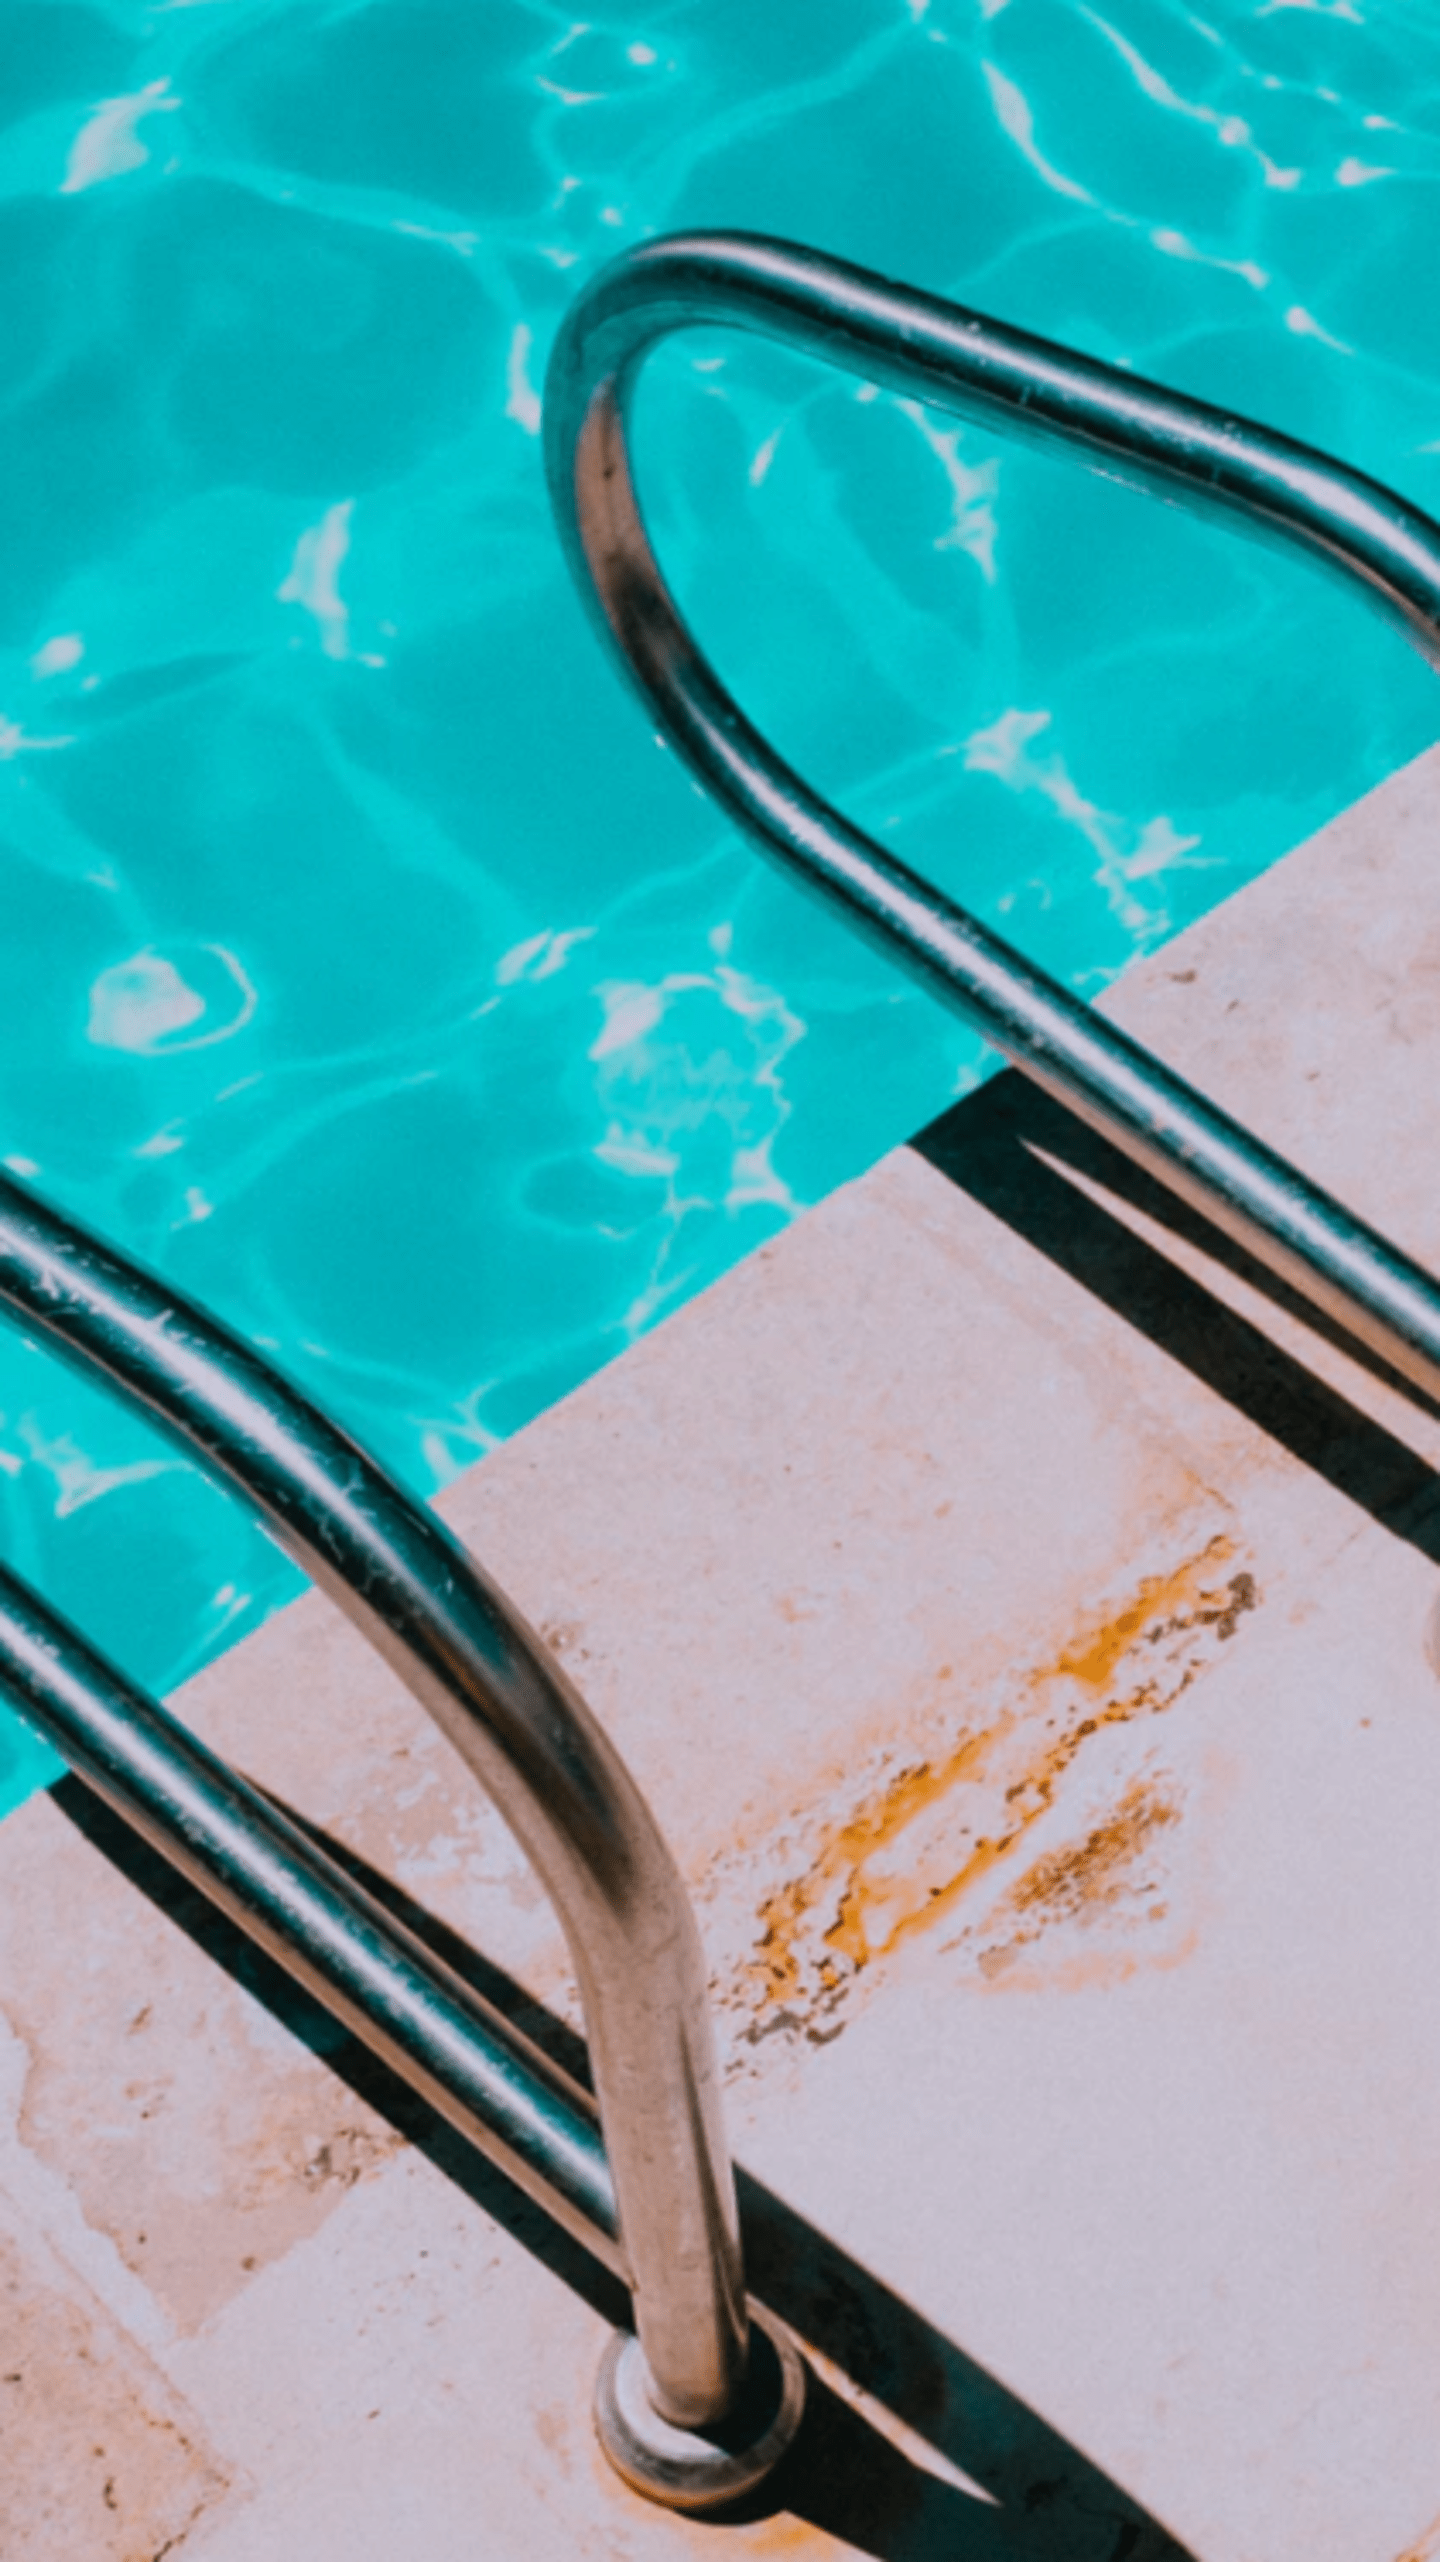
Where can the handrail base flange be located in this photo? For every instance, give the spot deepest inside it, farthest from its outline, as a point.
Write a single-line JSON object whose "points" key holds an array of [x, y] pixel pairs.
{"points": [[696, 2470]]}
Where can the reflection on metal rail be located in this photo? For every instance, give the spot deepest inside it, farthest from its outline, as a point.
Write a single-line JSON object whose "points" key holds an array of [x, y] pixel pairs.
{"points": [[1180, 448], [657, 2199]]}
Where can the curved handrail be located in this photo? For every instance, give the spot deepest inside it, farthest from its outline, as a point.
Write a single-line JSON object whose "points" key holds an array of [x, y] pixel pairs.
{"points": [[414, 2011], [957, 360], [515, 1719]]}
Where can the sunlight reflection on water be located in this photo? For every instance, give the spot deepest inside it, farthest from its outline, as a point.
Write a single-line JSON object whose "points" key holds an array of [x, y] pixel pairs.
{"points": [[369, 970]]}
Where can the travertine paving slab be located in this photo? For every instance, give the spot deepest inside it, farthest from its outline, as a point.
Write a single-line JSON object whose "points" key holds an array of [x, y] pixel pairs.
{"points": [[1019, 1621], [98, 2454]]}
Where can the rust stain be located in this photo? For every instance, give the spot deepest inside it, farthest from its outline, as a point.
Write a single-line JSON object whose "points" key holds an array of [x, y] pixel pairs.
{"points": [[874, 1912], [922, 1839], [1427, 2548], [1162, 1603], [1017, 1967], [1067, 1883], [1085, 1881]]}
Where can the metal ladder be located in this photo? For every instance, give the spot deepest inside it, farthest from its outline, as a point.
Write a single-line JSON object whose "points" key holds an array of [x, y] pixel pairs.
{"points": [[702, 2402]]}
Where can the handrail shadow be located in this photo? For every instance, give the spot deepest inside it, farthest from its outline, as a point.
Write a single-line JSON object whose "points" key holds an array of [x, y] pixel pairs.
{"points": [[1041, 2499], [1008, 1147]]}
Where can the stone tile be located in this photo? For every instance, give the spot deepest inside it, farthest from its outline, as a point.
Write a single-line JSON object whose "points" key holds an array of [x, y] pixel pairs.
{"points": [[1184, 2201], [100, 2461], [1019, 1621], [181, 2124]]}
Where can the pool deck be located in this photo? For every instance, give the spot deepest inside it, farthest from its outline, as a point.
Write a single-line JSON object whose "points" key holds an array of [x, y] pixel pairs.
{"points": [[1019, 1615]]}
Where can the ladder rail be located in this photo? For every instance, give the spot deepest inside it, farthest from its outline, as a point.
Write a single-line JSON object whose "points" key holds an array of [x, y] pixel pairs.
{"points": [[958, 360], [331, 1934], [515, 1718]]}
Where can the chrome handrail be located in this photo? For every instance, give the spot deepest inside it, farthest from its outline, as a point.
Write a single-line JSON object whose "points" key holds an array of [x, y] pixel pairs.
{"points": [[659, 2202], [957, 360], [252, 1861]]}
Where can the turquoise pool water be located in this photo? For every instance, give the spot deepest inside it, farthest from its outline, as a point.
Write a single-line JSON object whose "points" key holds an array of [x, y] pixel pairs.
{"points": [[367, 967]]}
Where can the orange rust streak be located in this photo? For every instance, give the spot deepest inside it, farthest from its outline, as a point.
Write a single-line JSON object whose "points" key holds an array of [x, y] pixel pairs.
{"points": [[1094, 1657], [849, 1932], [849, 1935], [1427, 2548], [875, 1825], [872, 1914], [782, 1914], [907, 1795], [1065, 1881]]}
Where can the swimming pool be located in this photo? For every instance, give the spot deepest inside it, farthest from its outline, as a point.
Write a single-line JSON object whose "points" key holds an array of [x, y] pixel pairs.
{"points": [[369, 969]]}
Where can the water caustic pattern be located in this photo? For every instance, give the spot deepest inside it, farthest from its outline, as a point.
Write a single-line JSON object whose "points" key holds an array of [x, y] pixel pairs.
{"points": [[366, 966]]}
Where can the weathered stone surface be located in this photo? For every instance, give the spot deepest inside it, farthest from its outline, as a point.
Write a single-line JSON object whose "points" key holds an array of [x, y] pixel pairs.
{"points": [[192, 2131], [1018, 1618], [99, 2459]]}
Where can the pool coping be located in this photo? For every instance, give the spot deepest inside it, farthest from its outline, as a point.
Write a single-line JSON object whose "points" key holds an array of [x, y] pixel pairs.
{"points": [[995, 1483]]}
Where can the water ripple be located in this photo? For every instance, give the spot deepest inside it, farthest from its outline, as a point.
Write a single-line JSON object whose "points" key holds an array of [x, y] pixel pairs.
{"points": [[366, 967]]}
